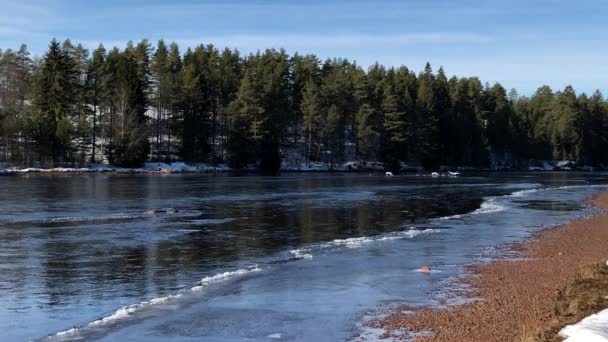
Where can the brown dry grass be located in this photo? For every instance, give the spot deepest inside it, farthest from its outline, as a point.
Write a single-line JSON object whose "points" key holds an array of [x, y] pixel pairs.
{"points": [[586, 295]]}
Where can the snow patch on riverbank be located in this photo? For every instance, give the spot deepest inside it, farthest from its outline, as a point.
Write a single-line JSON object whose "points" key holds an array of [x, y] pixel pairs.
{"points": [[176, 167], [183, 167], [148, 167], [591, 329], [312, 167]]}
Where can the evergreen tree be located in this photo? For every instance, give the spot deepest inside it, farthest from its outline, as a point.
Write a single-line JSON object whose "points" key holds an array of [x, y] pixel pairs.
{"points": [[246, 123], [427, 130], [443, 108], [305, 69], [334, 125], [130, 146], [275, 84], [566, 117], [195, 122], [162, 89], [16, 70], [395, 130], [368, 132], [108, 104], [230, 65], [499, 120], [82, 111], [311, 108], [95, 76], [597, 130], [173, 93], [54, 100]]}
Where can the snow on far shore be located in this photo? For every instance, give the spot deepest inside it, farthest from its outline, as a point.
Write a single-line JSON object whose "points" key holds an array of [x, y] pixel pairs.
{"points": [[591, 329], [148, 167], [180, 167], [183, 167], [313, 166], [176, 167]]}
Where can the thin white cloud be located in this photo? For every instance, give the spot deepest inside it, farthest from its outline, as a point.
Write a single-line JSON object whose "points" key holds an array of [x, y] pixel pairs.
{"points": [[262, 41], [23, 19], [250, 42], [338, 9], [25, 7]]}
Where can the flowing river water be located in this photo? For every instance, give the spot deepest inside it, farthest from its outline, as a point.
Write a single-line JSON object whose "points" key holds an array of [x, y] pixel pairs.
{"points": [[295, 258]]}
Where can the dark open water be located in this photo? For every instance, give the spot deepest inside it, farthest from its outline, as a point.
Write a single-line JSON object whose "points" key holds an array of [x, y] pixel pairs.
{"points": [[297, 257]]}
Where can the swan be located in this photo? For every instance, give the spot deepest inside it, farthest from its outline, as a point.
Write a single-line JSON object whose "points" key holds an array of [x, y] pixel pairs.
{"points": [[389, 174]]}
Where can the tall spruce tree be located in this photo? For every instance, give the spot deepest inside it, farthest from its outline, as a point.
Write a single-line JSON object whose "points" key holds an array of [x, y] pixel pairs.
{"points": [[567, 119], [311, 108], [162, 89], [246, 123], [427, 131], [395, 129], [54, 101], [443, 108], [174, 98], [130, 146], [95, 76]]}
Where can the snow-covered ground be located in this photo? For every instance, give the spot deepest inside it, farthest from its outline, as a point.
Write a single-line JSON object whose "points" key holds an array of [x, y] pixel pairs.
{"points": [[313, 167], [177, 167], [183, 167], [286, 166], [148, 167], [591, 329]]}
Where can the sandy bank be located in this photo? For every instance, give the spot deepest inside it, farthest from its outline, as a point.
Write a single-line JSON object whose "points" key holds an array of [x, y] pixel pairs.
{"points": [[519, 300]]}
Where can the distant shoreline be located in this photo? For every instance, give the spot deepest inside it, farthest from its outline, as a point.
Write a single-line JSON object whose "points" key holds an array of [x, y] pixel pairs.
{"points": [[182, 168], [524, 299], [252, 172]]}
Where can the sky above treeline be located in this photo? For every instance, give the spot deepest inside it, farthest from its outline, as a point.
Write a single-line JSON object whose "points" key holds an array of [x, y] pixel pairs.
{"points": [[519, 43]]}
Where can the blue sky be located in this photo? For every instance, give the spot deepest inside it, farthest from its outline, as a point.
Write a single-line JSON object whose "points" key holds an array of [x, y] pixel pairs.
{"points": [[521, 44]]}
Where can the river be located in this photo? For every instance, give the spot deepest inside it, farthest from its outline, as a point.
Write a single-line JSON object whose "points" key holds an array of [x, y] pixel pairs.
{"points": [[295, 257]]}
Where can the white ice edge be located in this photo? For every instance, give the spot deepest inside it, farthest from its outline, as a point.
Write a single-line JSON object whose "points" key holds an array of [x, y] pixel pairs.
{"points": [[224, 276], [129, 310], [300, 253], [357, 242], [491, 205], [593, 328], [522, 193], [303, 253]]}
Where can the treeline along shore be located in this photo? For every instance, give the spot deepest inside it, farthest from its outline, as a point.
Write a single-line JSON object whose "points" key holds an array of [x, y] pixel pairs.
{"points": [[157, 103]]}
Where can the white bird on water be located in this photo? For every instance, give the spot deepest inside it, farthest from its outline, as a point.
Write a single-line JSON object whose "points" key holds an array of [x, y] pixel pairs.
{"points": [[454, 174], [389, 174]]}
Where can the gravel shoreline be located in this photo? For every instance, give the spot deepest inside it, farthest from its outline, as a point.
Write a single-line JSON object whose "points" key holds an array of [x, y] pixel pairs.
{"points": [[517, 297]]}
